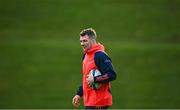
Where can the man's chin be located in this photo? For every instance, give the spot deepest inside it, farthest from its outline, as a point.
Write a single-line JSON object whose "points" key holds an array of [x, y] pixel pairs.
{"points": [[84, 49]]}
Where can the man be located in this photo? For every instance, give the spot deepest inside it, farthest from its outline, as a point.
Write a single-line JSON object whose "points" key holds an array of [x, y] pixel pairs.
{"points": [[94, 58]]}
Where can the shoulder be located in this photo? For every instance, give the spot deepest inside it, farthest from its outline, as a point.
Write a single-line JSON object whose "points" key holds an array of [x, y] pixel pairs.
{"points": [[100, 55]]}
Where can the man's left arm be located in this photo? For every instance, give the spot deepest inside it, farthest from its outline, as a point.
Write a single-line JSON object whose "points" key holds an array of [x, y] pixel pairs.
{"points": [[104, 64]]}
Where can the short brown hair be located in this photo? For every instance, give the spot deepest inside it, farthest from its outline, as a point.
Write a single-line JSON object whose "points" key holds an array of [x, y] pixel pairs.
{"points": [[90, 32]]}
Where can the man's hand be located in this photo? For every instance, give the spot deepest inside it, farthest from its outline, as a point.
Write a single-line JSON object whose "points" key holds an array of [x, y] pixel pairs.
{"points": [[90, 79], [76, 100]]}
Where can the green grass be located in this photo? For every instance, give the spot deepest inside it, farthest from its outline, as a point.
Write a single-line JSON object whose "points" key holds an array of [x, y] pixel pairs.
{"points": [[38, 75], [132, 20], [40, 55], [47, 74], [148, 76]]}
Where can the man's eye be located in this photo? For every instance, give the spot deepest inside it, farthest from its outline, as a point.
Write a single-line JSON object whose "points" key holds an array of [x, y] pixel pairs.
{"points": [[83, 40]]}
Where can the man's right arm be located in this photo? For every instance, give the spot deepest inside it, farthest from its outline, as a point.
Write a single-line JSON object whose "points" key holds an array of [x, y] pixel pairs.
{"points": [[77, 97], [80, 91]]}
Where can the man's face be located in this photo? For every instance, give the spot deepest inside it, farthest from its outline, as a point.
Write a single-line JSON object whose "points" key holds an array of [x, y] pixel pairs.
{"points": [[85, 42]]}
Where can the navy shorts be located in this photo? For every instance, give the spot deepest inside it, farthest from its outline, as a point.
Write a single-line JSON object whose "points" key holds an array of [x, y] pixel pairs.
{"points": [[94, 107]]}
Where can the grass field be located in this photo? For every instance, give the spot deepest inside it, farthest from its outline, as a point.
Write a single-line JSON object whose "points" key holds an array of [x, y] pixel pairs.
{"points": [[40, 54], [46, 74]]}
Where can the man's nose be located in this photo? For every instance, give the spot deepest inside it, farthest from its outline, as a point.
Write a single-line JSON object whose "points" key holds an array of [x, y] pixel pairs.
{"points": [[82, 43]]}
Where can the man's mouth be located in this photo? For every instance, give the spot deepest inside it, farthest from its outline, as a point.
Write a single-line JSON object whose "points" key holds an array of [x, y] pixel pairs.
{"points": [[83, 47]]}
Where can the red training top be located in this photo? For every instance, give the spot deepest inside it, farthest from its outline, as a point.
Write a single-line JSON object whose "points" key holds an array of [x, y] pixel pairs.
{"points": [[101, 96]]}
